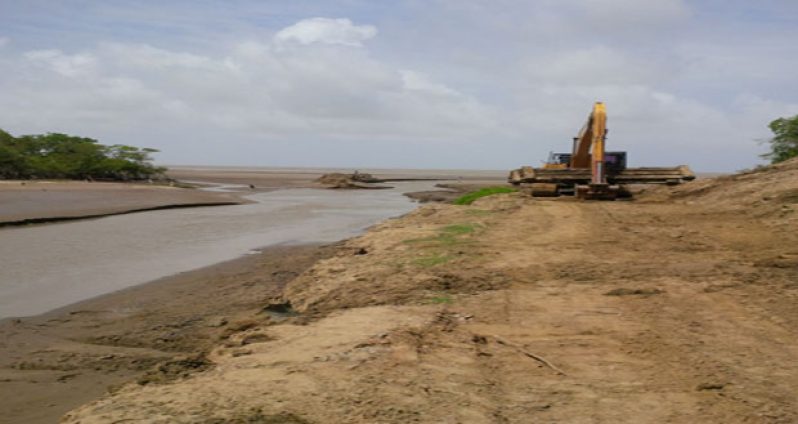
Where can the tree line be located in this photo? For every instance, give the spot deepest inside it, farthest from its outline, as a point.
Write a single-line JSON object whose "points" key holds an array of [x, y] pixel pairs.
{"points": [[57, 156], [784, 144]]}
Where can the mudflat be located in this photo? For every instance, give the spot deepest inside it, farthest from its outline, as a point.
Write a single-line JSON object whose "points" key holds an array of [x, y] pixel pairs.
{"points": [[41, 201]]}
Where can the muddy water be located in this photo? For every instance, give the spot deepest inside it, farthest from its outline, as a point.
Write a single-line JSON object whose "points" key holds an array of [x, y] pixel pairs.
{"points": [[47, 266]]}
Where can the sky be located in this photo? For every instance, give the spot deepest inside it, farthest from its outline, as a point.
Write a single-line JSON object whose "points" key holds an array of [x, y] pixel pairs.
{"points": [[458, 84]]}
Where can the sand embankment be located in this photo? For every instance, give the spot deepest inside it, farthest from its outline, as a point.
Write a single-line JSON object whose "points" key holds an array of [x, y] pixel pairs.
{"points": [[23, 202], [677, 307]]}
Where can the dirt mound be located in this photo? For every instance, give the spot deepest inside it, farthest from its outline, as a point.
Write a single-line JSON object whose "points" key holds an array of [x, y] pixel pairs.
{"points": [[767, 189], [355, 180]]}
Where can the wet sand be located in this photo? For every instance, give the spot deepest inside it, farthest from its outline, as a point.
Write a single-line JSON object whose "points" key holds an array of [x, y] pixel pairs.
{"points": [[54, 362]]}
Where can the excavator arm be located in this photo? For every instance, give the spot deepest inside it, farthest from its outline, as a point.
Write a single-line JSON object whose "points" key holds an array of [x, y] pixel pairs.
{"points": [[589, 144], [589, 153]]}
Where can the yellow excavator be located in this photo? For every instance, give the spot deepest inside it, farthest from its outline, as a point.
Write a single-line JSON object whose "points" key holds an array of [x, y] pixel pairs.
{"points": [[589, 171]]}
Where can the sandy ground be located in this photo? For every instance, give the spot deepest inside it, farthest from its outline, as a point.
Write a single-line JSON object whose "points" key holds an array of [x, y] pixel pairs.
{"points": [[55, 362], [677, 307], [40, 201]]}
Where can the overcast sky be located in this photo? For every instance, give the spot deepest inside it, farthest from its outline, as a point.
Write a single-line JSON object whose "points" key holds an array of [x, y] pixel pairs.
{"points": [[411, 84]]}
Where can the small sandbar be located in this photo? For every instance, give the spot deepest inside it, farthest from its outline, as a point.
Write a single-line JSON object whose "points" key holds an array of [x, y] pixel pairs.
{"points": [[24, 202]]}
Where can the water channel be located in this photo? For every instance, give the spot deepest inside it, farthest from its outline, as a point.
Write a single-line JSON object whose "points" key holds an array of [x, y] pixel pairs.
{"points": [[43, 267]]}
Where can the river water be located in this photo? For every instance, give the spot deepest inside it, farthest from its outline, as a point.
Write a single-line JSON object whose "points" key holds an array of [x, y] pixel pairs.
{"points": [[48, 266]]}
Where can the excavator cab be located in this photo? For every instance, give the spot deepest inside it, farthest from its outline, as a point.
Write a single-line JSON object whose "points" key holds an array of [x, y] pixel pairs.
{"points": [[558, 161], [613, 161]]}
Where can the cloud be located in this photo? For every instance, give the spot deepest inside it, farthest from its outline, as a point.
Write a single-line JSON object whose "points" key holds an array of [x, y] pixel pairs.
{"points": [[595, 65], [64, 64], [4, 41], [149, 57], [487, 84], [327, 31], [635, 13], [416, 81], [252, 89]]}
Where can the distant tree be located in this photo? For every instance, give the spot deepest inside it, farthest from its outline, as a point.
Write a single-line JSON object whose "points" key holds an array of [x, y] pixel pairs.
{"points": [[784, 144], [56, 155]]}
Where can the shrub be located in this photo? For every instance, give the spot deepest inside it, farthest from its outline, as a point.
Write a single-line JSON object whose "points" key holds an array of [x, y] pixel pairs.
{"points": [[469, 198]]}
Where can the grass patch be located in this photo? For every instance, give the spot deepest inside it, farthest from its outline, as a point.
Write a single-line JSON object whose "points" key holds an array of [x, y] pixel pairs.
{"points": [[459, 229], [439, 240], [442, 300], [448, 235], [469, 198], [439, 246], [430, 261]]}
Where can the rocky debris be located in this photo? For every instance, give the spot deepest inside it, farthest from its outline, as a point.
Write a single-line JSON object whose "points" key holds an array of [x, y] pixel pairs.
{"points": [[710, 386], [175, 369], [633, 292], [355, 180]]}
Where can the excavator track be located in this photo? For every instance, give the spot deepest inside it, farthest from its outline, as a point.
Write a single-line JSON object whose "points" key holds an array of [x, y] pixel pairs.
{"points": [[650, 175]]}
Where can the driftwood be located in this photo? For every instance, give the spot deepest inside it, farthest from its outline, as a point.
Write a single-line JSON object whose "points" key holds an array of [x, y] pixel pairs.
{"points": [[529, 354]]}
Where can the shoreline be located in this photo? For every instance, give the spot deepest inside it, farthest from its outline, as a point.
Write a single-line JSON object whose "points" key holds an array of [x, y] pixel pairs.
{"points": [[53, 362]]}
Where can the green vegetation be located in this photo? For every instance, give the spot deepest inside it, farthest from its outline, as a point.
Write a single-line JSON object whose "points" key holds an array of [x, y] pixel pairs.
{"points": [[439, 300], [429, 261], [784, 144], [448, 235], [55, 155], [441, 244], [474, 195], [459, 229]]}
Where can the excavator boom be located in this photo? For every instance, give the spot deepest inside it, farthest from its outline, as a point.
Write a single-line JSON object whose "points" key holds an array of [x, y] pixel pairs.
{"points": [[593, 131]]}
